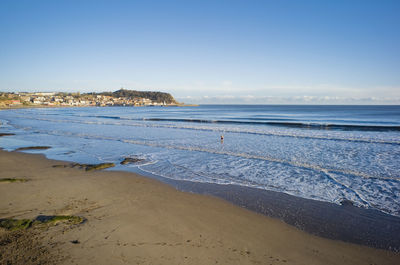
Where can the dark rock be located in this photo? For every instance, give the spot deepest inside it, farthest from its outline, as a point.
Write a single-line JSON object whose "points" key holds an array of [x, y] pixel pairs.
{"points": [[33, 148], [346, 202], [6, 134]]}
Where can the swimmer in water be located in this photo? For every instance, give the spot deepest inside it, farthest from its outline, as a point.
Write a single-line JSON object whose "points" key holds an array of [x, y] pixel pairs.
{"points": [[222, 139]]}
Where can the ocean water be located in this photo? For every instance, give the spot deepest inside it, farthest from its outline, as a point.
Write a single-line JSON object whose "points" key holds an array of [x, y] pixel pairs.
{"points": [[326, 153]]}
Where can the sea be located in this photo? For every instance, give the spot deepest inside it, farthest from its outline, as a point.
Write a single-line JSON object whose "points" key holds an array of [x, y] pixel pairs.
{"points": [[332, 154]]}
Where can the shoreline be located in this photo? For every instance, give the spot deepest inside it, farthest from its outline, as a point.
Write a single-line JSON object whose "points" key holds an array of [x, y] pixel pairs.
{"points": [[135, 219]]}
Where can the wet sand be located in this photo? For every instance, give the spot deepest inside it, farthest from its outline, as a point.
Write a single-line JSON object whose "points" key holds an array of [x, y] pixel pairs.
{"points": [[136, 220], [341, 222]]}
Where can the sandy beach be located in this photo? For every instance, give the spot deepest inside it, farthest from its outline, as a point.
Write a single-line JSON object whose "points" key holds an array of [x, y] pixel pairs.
{"points": [[131, 219]]}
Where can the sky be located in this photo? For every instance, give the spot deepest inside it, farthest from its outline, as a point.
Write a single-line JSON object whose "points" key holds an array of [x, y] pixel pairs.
{"points": [[249, 52]]}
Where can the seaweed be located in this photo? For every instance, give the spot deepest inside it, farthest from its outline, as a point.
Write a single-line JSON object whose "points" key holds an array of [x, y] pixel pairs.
{"points": [[10, 180], [54, 219], [99, 166], [21, 224], [131, 160], [15, 224], [87, 167], [90, 167]]}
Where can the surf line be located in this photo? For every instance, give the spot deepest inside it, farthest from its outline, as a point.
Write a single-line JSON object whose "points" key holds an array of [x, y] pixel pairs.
{"points": [[265, 158], [170, 126], [220, 152]]}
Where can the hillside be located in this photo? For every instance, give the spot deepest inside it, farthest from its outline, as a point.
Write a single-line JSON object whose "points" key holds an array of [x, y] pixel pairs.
{"points": [[154, 96]]}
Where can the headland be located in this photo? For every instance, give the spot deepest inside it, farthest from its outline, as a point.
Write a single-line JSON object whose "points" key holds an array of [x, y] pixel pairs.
{"points": [[122, 97]]}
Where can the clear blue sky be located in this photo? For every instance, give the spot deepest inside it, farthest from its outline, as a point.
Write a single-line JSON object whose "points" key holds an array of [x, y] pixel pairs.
{"points": [[205, 51]]}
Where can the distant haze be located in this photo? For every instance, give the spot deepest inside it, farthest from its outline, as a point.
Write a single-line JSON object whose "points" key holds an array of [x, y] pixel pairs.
{"points": [[215, 52]]}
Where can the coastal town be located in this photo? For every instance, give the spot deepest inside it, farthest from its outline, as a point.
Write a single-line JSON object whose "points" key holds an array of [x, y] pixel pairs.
{"points": [[58, 99]]}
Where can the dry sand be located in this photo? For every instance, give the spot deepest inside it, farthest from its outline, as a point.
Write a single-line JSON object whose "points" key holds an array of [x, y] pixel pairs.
{"points": [[135, 220]]}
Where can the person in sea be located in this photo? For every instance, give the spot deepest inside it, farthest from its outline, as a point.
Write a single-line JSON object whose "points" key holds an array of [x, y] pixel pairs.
{"points": [[222, 139]]}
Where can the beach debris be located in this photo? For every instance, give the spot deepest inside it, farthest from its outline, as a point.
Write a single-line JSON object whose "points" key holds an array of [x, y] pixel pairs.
{"points": [[11, 180], [33, 148], [132, 160], [76, 241]]}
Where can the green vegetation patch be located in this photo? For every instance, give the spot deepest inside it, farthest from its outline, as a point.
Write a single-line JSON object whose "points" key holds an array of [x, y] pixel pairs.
{"points": [[90, 167], [54, 219], [10, 180], [20, 224], [87, 167], [15, 224], [131, 160], [33, 148], [99, 166]]}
